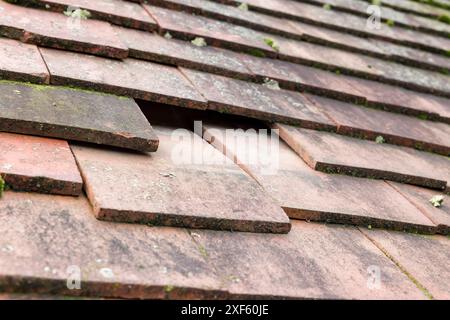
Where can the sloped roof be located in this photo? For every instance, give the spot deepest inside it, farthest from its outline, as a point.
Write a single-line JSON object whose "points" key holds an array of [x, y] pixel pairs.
{"points": [[107, 172]]}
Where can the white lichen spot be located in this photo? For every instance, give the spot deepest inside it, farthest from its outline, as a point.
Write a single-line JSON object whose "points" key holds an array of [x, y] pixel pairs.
{"points": [[199, 42], [7, 248], [243, 6], [271, 84], [380, 140], [167, 35], [77, 13], [437, 201], [107, 273]]}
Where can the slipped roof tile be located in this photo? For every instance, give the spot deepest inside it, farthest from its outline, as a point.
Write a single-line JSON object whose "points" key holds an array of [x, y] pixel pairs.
{"points": [[257, 101], [74, 114], [310, 195], [150, 46], [59, 31], [136, 78], [185, 184], [421, 197], [398, 129], [21, 62], [334, 153], [37, 164], [425, 258]]}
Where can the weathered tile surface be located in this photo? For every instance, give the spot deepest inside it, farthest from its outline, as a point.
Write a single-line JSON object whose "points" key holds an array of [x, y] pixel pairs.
{"points": [[398, 129], [304, 78], [37, 164], [312, 261], [150, 46], [129, 261], [334, 153], [139, 79], [40, 251], [257, 101], [347, 23], [217, 33], [74, 114], [59, 31], [421, 197], [311, 195], [22, 62], [424, 257], [118, 12], [186, 183]]}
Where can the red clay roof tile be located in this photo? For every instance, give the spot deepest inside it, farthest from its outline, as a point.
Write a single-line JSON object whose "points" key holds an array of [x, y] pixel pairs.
{"points": [[167, 188], [59, 31], [74, 114], [36, 164]]}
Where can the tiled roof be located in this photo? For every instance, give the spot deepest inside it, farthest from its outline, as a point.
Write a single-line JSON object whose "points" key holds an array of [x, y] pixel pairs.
{"points": [[108, 171]]}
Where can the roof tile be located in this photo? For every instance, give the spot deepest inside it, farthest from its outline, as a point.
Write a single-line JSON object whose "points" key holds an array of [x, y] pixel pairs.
{"points": [[59, 31], [421, 197], [74, 115], [114, 11], [424, 257], [150, 46], [21, 62], [257, 101], [333, 153], [310, 195], [398, 129], [136, 78], [184, 184], [38, 164]]}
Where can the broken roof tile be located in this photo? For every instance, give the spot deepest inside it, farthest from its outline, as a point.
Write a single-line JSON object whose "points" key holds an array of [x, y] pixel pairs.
{"points": [[118, 12], [421, 197], [314, 261], [425, 258], [362, 122], [310, 195], [37, 164], [59, 31], [188, 189], [153, 47], [257, 101], [21, 62], [136, 78], [334, 153], [74, 114]]}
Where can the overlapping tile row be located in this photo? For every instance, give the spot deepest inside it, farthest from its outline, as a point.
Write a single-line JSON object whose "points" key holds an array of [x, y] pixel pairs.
{"points": [[418, 8], [387, 14], [59, 31], [224, 34], [333, 153], [345, 22], [118, 12], [409, 251], [142, 262], [301, 31], [74, 114], [35, 164], [366, 123], [310, 195], [187, 183]]}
